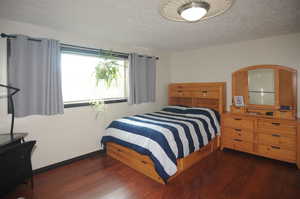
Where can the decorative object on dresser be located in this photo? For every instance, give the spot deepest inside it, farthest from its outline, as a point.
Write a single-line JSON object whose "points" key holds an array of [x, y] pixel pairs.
{"points": [[204, 95], [267, 125]]}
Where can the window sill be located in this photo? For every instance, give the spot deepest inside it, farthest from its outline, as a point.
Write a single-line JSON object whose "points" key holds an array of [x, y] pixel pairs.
{"points": [[80, 104]]}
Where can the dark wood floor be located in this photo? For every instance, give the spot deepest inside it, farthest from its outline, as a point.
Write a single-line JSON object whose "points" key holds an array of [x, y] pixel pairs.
{"points": [[223, 175]]}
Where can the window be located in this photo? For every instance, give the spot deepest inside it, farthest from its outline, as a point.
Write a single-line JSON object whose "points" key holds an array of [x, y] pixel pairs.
{"points": [[79, 84]]}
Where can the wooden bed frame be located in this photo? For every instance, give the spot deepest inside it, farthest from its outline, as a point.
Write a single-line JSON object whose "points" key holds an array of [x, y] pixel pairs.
{"points": [[209, 95]]}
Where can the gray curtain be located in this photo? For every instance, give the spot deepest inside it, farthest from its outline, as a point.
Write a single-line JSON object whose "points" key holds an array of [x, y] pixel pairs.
{"points": [[142, 78], [34, 67]]}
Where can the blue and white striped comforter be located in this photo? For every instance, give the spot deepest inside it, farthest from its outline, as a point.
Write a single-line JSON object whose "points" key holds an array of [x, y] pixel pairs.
{"points": [[165, 136]]}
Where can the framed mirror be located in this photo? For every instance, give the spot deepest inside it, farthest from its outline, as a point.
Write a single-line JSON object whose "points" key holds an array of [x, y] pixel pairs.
{"points": [[266, 89], [261, 86]]}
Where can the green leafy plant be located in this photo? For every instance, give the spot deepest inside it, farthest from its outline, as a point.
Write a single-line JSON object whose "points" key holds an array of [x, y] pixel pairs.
{"points": [[107, 70]]}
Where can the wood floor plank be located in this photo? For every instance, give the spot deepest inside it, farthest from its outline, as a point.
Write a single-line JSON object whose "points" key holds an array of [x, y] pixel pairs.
{"points": [[223, 175]]}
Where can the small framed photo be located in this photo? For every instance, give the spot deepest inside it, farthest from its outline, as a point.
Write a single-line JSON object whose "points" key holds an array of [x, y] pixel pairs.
{"points": [[239, 100]]}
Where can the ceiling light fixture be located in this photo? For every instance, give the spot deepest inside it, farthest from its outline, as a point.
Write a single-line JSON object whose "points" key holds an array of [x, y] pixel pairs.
{"points": [[194, 10]]}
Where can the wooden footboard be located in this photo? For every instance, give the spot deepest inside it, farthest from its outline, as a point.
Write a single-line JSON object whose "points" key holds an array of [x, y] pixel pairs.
{"points": [[144, 164]]}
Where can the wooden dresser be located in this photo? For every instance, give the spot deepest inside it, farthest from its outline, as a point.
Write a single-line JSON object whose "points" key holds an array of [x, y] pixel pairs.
{"points": [[264, 122], [272, 138]]}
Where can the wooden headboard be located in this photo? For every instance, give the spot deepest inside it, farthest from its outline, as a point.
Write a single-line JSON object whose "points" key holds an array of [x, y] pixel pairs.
{"points": [[209, 95]]}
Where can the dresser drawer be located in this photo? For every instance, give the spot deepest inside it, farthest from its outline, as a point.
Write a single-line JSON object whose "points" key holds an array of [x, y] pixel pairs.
{"points": [[277, 132], [277, 139], [176, 87], [238, 144], [238, 122], [124, 152], [276, 153], [235, 133], [287, 126]]}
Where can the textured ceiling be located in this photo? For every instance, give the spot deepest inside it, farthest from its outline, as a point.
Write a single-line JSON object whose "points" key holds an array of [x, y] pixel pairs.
{"points": [[138, 23]]}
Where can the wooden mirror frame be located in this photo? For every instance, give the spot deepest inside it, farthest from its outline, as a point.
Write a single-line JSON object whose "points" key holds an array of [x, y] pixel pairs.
{"points": [[285, 88]]}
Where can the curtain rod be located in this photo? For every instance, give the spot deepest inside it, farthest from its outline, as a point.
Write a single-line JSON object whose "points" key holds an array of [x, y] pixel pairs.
{"points": [[3, 35]]}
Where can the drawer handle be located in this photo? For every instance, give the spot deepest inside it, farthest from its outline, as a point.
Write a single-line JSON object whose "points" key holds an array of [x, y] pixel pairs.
{"points": [[144, 162], [238, 129], [237, 119], [237, 140], [204, 91], [119, 150], [179, 91], [275, 147], [275, 135], [276, 123]]}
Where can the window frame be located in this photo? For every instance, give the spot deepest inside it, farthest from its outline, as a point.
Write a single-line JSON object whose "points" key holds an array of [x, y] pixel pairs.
{"points": [[65, 48]]}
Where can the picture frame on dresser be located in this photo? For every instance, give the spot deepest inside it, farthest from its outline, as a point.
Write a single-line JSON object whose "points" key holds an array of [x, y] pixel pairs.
{"points": [[267, 125], [239, 101]]}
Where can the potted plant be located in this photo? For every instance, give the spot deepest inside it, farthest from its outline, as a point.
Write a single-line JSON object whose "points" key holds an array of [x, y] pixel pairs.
{"points": [[106, 72]]}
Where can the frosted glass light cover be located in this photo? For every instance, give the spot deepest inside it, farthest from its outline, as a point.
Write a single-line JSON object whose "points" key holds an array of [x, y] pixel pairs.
{"points": [[193, 14]]}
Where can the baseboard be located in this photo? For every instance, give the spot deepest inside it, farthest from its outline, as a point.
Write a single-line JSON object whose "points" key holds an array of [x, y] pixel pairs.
{"points": [[69, 161]]}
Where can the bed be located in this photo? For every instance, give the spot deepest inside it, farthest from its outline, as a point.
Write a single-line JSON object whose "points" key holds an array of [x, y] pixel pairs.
{"points": [[163, 144]]}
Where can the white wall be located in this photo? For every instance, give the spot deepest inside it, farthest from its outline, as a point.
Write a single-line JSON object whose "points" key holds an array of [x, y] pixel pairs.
{"points": [[78, 131], [218, 62]]}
